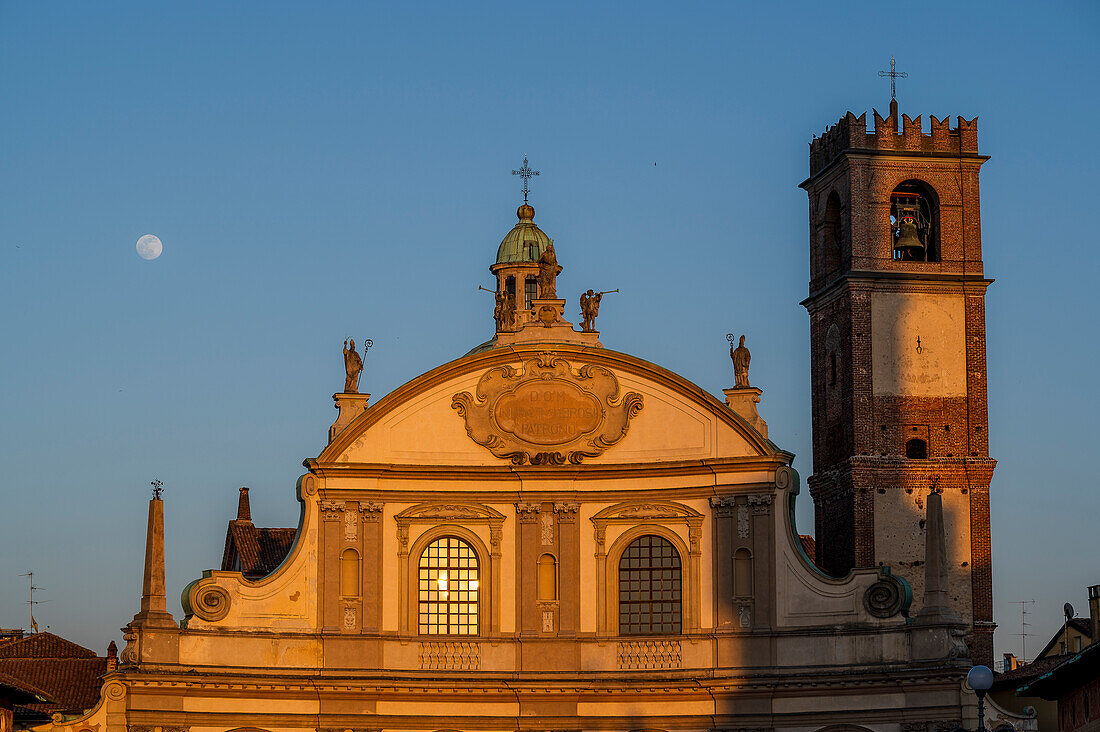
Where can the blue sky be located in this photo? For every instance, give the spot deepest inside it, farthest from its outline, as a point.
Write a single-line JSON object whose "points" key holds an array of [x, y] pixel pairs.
{"points": [[319, 170]]}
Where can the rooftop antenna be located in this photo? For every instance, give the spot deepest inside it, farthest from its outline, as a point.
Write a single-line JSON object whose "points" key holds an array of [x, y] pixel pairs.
{"points": [[31, 602], [526, 173], [894, 76], [1024, 625]]}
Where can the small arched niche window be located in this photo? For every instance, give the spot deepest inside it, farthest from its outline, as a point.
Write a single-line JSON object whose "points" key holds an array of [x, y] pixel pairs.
{"points": [[916, 449], [349, 573], [650, 591], [915, 222], [548, 577], [742, 573], [448, 588]]}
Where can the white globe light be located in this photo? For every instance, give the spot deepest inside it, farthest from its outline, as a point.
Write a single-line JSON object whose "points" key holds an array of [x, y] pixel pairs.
{"points": [[980, 678], [149, 247]]}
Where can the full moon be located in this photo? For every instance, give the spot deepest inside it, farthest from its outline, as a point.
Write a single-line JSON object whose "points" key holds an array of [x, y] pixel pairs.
{"points": [[149, 247]]}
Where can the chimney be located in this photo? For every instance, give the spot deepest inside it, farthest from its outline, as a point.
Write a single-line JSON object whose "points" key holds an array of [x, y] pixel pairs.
{"points": [[112, 657], [1011, 662], [244, 511], [153, 612], [1094, 613]]}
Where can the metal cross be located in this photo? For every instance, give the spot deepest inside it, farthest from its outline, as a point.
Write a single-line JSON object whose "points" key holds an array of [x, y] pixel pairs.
{"points": [[526, 173], [156, 488], [894, 75]]}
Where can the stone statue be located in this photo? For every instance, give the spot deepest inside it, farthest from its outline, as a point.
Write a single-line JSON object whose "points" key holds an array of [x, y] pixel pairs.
{"points": [[353, 366], [498, 311], [549, 269], [590, 309], [741, 357]]}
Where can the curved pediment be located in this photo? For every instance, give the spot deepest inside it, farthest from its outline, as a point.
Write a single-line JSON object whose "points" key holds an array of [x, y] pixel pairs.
{"points": [[527, 405], [637, 510]]}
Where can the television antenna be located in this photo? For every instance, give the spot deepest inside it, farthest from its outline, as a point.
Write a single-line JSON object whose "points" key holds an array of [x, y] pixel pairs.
{"points": [[31, 602], [1024, 625]]}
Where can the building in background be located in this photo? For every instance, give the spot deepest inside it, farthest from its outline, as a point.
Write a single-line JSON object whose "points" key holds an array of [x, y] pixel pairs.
{"points": [[44, 676]]}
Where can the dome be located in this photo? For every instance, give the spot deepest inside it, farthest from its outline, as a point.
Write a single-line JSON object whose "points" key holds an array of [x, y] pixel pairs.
{"points": [[525, 242]]}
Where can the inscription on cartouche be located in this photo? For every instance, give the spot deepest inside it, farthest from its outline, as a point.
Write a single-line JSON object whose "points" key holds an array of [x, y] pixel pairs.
{"points": [[519, 415]]}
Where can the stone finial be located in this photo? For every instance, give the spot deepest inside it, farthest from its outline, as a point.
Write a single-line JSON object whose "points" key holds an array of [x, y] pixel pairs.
{"points": [[112, 656], [244, 511]]}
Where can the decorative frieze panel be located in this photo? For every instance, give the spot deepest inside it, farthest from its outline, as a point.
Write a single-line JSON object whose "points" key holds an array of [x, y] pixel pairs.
{"points": [[351, 525], [649, 654], [449, 656], [743, 524], [546, 529]]}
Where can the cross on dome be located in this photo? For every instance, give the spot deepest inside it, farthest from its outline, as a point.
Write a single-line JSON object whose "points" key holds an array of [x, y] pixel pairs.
{"points": [[526, 173]]}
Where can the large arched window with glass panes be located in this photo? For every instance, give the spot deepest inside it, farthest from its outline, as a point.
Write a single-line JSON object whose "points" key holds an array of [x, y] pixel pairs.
{"points": [[650, 588], [448, 588]]}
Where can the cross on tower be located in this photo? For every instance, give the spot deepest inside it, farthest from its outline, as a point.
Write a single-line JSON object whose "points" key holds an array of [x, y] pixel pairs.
{"points": [[894, 76], [526, 173]]}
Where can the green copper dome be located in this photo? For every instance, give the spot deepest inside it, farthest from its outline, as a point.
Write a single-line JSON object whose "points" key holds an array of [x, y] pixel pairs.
{"points": [[525, 242]]}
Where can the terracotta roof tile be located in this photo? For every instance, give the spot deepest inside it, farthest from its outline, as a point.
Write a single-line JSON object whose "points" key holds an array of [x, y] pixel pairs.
{"points": [[260, 551], [71, 683], [44, 645], [1025, 673], [809, 545]]}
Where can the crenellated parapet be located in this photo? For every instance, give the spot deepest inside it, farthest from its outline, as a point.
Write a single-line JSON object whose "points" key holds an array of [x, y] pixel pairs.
{"points": [[850, 134]]}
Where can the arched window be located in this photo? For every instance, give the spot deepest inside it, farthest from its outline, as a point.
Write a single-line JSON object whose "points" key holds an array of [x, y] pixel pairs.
{"points": [[548, 577], [448, 588], [916, 449], [915, 222], [349, 573], [650, 590], [742, 573]]}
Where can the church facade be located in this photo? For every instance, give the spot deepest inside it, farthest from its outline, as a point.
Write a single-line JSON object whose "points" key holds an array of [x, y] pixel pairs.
{"points": [[546, 534]]}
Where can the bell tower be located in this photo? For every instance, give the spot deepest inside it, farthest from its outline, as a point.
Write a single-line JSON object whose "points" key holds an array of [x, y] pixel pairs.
{"points": [[897, 343]]}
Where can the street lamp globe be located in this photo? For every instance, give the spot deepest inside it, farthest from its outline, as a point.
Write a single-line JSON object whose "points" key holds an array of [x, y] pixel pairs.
{"points": [[980, 678]]}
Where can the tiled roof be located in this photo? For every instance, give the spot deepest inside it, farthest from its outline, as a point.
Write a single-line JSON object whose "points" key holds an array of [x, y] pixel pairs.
{"points": [[258, 550], [1025, 673], [44, 645], [72, 683], [19, 691], [65, 676], [809, 545]]}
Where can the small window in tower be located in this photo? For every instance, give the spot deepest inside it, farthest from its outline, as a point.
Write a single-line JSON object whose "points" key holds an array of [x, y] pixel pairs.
{"points": [[916, 449], [530, 290], [832, 369], [914, 222]]}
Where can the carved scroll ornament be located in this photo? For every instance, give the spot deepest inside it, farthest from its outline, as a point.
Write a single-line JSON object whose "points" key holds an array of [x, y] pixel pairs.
{"points": [[548, 414]]}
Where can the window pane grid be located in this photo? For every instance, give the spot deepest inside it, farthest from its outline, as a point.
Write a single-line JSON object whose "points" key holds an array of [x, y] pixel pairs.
{"points": [[448, 588], [650, 591]]}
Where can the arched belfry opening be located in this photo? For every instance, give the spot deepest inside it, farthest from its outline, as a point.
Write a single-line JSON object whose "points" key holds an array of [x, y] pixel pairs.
{"points": [[915, 222]]}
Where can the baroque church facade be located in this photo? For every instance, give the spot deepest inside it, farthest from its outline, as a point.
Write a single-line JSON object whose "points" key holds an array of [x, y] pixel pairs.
{"points": [[545, 534]]}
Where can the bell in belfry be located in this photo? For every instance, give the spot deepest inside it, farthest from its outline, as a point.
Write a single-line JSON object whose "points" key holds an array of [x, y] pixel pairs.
{"points": [[908, 245]]}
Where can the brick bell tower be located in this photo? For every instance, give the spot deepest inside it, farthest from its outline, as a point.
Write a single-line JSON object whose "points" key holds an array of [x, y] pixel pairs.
{"points": [[897, 347]]}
